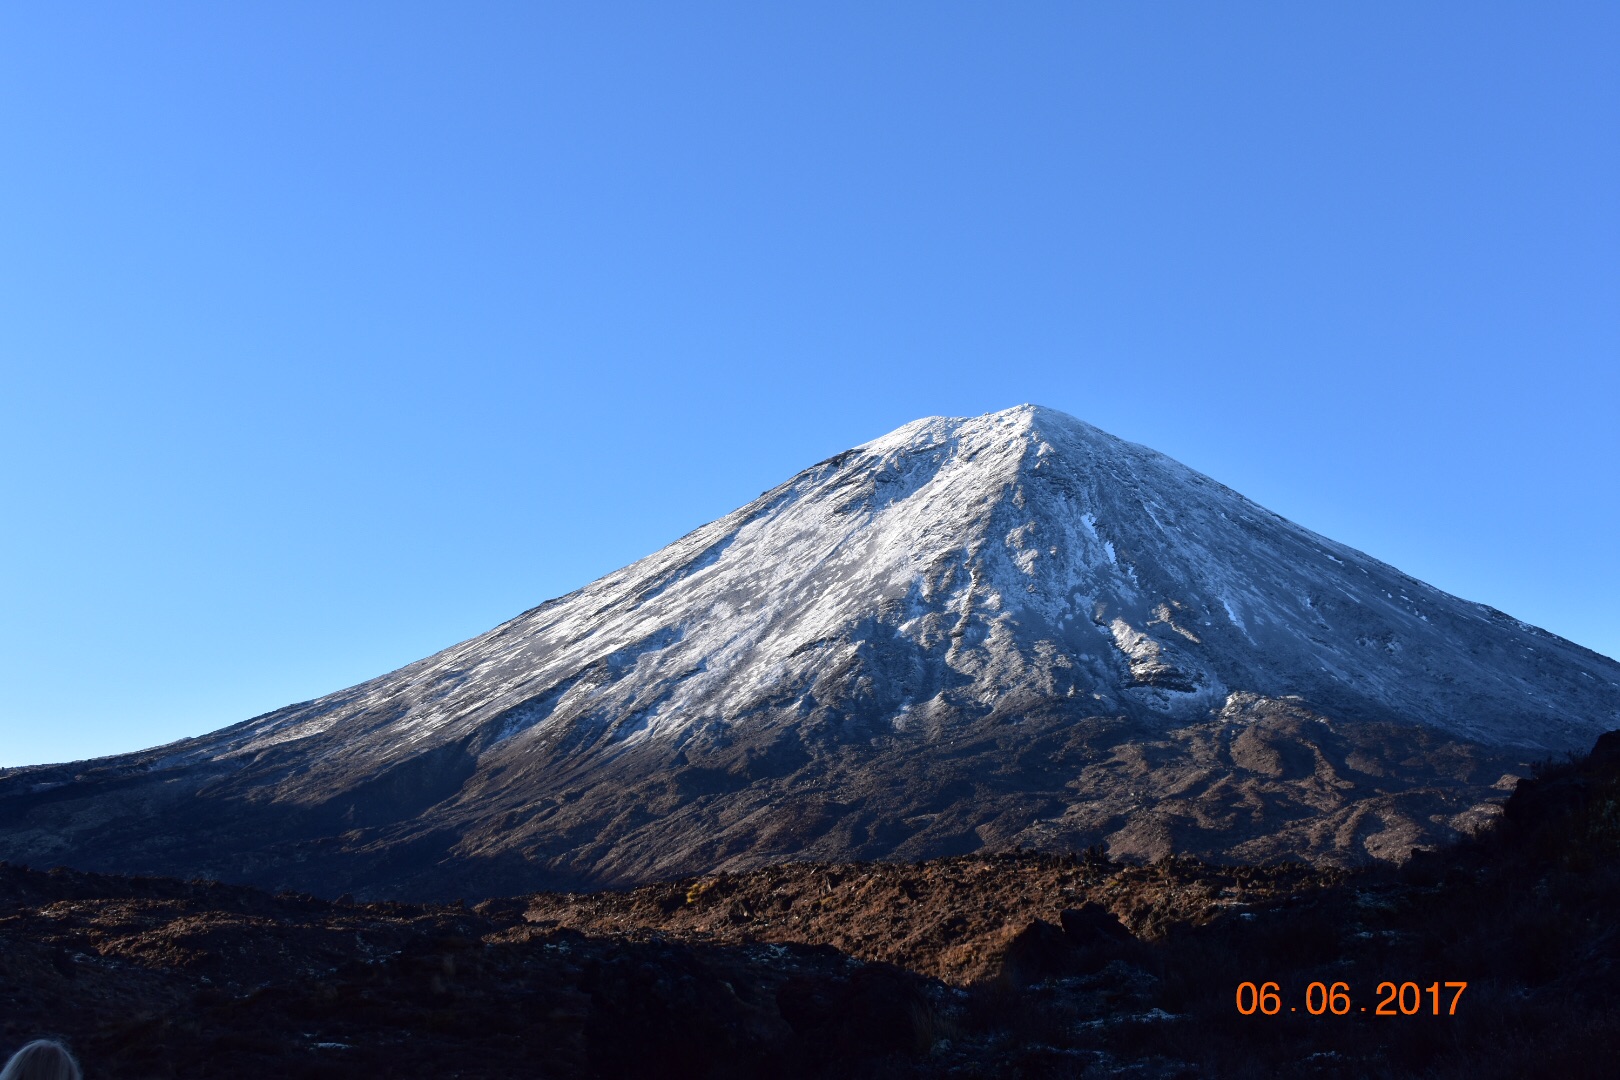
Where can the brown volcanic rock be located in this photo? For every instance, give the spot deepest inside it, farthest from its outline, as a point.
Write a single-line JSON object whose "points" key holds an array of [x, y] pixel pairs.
{"points": [[952, 919], [163, 979], [1076, 966], [160, 978]]}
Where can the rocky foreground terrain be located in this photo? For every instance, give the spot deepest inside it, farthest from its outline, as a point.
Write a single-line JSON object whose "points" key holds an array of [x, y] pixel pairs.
{"points": [[1013, 965]]}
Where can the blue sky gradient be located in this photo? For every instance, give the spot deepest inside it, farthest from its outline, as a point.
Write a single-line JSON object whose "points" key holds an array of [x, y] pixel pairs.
{"points": [[331, 335]]}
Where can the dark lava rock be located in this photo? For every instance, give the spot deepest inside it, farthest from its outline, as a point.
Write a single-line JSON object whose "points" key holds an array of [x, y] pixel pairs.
{"points": [[1038, 951], [878, 1011], [153, 978], [1089, 924]]}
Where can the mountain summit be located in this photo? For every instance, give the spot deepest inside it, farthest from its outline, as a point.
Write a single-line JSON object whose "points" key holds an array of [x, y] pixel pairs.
{"points": [[1010, 629]]}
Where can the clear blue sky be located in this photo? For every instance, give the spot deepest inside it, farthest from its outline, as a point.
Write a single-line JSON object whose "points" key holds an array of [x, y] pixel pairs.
{"points": [[332, 334]]}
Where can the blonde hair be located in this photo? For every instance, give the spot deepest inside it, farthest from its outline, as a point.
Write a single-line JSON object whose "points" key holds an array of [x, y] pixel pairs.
{"points": [[42, 1059]]}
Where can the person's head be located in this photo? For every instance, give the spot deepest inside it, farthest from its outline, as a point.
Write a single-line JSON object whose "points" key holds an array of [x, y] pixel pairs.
{"points": [[42, 1059]]}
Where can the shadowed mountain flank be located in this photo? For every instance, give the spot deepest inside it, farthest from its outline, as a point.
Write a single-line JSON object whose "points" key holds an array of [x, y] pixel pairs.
{"points": [[969, 634]]}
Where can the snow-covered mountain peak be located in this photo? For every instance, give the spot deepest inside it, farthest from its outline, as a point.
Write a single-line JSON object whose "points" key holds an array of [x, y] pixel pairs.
{"points": [[1012, 431], [953, 564], [1015, 615]]}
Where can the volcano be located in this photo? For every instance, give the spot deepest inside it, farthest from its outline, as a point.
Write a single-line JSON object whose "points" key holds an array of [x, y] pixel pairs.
{"points": [[1013, 630]]}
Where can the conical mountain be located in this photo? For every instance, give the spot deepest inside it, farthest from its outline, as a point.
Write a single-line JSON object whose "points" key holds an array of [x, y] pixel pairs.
{"points": [[1010, 629]]}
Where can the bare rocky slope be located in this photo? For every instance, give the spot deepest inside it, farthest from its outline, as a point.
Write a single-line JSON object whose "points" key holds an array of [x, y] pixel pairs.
{"points": [[1009, 630], [1017, 966]]}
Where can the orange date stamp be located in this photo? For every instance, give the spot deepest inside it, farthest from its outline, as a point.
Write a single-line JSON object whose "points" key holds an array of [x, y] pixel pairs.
{"points": [[1333, 999]]}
